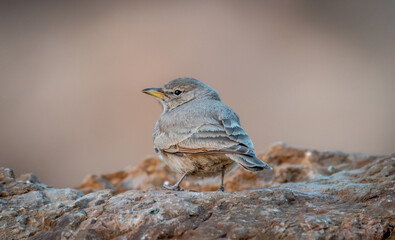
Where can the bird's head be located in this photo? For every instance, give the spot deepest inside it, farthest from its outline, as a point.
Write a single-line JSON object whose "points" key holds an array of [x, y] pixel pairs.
{"points": [[180, 91]]}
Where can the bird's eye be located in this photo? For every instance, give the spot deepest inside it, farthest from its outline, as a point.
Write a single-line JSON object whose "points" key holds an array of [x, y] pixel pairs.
{"points": [[177, 92]]}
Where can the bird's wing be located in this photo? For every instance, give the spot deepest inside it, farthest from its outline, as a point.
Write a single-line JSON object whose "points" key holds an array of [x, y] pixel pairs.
{"points": [[226, 136]]}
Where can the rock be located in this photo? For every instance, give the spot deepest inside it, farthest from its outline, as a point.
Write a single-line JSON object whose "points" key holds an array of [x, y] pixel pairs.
{"points": [[300, 199], [291, 164], [10, 186], [149, 173]]}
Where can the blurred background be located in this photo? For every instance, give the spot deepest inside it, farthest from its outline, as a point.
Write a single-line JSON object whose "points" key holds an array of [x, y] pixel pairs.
{"points": [[316, 74]]}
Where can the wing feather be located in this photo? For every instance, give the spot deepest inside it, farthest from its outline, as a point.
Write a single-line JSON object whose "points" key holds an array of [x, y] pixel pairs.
{"points": [[220, 133], [225, 137]]}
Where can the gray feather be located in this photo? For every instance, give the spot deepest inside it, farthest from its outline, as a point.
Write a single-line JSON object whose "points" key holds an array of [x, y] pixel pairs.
{"points": [[198, 129], [251, 163]]}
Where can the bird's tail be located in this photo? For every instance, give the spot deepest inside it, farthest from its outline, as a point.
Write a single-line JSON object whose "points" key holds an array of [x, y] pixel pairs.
{"points": [[251, 163]]}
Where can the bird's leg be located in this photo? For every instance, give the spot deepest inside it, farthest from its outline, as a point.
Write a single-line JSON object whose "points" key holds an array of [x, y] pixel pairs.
{"points": [[222, 188], [176, 187]]}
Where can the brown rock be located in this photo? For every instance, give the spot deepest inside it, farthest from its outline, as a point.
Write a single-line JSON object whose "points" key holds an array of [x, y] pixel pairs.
{"points": [[291, 164], [10, 186], [305, 200], [148, 174]]}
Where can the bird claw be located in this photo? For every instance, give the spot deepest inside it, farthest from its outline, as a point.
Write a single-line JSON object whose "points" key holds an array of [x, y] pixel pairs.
{"points": [[222, 189], [173, 188]]}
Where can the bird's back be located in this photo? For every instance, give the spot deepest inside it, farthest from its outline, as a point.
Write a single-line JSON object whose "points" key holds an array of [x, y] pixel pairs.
{"points": [[182, 121], [207, 120]]}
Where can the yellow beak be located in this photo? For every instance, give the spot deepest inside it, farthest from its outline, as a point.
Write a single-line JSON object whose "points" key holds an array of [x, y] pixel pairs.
{"points": [[156, 92]]}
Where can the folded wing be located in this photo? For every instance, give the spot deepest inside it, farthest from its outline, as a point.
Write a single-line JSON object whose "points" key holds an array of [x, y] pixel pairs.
{"points": [[226, 136]]}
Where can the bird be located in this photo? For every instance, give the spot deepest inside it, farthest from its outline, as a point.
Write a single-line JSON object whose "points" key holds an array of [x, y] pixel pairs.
{"points": [[197, 135]]}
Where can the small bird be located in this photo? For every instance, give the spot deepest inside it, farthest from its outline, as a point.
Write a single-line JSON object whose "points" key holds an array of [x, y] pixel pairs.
{"points": [[197, 135]]}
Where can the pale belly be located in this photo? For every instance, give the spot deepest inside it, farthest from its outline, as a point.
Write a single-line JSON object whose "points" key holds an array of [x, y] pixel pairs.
{"points": [[198, 165]]}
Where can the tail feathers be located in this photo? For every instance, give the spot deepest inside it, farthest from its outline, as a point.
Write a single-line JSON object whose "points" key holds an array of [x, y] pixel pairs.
{"points": [[250, 163]]}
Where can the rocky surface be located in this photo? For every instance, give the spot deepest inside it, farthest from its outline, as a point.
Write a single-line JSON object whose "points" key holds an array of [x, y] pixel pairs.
{"points": [[309, 195]]}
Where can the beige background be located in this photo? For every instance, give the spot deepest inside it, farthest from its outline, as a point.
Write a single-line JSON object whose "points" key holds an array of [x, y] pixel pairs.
{"points": [[317, 74]]}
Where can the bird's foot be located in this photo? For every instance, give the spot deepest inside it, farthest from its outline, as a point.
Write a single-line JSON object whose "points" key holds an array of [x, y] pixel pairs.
{"points": [[173, 188], [222, 189]]}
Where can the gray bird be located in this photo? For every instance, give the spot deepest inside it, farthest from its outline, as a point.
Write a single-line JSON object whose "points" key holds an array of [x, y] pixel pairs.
{"points": [[198, 135]]}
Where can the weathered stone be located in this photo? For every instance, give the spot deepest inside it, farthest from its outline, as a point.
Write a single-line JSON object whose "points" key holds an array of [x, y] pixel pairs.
{"points": [[300, 199]]}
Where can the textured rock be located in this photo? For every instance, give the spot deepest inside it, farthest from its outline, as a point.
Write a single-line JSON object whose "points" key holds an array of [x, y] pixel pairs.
{"points": [[291, 164], [309, 195]]}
